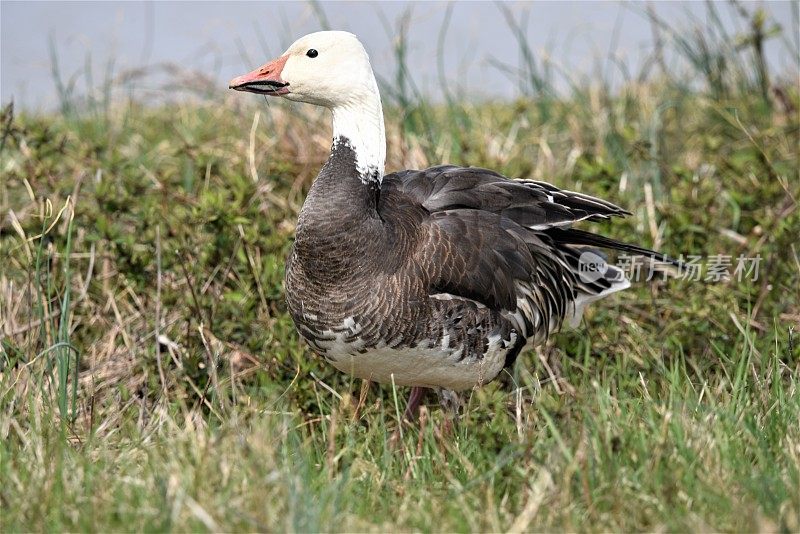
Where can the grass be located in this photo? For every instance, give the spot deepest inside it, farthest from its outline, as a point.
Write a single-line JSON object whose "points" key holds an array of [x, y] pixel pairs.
{"points": [[150, 378]]}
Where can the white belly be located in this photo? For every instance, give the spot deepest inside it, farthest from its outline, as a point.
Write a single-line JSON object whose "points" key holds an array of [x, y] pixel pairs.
{"points": [[420, 366]]}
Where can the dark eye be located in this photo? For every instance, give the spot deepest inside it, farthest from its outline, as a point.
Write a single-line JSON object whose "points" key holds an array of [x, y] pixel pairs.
{"points": [[312, 53]]}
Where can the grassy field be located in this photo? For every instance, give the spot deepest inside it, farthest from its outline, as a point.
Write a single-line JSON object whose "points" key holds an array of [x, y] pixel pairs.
{"points": [[150, 378]]}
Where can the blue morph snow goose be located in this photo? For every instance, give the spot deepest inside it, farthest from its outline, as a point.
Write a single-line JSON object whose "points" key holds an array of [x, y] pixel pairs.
{"points": [[434, 278]]}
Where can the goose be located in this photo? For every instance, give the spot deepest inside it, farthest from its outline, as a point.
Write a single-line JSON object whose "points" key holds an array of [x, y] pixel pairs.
{"points": [[436, 278]]}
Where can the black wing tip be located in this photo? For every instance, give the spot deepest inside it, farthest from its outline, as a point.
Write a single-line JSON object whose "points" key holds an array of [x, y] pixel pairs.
{"points": [[573, 236]]}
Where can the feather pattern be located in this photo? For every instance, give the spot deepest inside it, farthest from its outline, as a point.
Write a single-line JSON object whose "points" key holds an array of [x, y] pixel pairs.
{"points": [[437, 277]]}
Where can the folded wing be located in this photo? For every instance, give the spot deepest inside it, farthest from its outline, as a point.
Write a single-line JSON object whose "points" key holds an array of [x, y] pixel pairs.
{"points": [[508, 244]]}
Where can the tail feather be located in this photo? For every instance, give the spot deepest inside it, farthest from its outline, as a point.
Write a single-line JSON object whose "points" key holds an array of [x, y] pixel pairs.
{"points": [[573, 236]]}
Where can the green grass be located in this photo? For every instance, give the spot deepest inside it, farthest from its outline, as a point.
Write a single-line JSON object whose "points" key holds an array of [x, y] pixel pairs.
{"points": [[674, 406]]}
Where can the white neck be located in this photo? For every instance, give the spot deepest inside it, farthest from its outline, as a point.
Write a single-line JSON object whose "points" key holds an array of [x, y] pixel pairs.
{"points": [[360, 121]]}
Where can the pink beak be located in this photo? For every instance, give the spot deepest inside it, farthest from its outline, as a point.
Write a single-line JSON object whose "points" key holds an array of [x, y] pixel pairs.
{"points": [[264, 80]]}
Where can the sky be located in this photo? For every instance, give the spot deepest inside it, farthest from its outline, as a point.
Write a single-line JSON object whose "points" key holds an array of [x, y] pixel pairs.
{"points": [[222, 40]]}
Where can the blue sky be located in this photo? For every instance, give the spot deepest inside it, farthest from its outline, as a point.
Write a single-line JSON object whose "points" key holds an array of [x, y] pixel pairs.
{"points": [[222, 40]]}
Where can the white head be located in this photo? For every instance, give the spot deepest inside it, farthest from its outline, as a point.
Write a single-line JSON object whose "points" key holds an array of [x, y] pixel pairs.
{"points": [[329, 69]]}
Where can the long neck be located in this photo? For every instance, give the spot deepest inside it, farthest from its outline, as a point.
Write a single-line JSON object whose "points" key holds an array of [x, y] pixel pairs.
{"points": [[340, 211], [360, 123]]}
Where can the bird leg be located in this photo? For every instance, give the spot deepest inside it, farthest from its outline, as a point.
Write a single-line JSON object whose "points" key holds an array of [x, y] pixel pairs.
{"points": [[450, 402], [414, 400], [410, 415]]}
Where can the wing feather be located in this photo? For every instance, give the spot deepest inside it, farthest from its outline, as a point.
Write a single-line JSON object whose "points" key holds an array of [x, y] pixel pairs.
{"points": [[503, 243], [531, 204]]}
